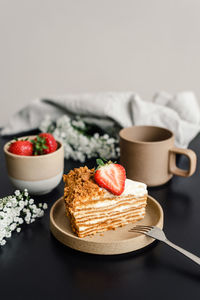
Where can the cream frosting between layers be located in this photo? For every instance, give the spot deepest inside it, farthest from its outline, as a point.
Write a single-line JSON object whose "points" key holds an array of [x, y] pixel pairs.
{"points": [[121, 219], [113, 205], [96, 213], [111, 217]]}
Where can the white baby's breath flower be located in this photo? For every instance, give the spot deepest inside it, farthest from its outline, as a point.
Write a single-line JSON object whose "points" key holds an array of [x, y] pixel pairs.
{"points": [[2, 242], [33, 206], [78, 144], [17, 192], [15, 210], [16, 219], [45, 206], [28, 212], [40, 214], [96, 135], [20, 220], [31, 201], [13, 226], [21, 204], [8, 234], [106, 136], [27, 220]]}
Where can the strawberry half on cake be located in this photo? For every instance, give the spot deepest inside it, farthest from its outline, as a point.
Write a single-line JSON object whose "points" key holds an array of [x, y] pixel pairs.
{"points": [[102, 199]]}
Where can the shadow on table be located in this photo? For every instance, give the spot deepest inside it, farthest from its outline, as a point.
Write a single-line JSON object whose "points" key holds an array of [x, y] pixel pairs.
{"points": [[189, 270], [102, 272], [177, 204]]}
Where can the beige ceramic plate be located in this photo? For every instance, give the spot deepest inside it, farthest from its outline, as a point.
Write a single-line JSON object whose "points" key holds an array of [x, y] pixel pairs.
{"points": [[113, 241]]}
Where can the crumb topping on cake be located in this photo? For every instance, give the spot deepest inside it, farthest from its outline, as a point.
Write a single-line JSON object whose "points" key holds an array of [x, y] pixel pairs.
{"points": [[80, 186]]}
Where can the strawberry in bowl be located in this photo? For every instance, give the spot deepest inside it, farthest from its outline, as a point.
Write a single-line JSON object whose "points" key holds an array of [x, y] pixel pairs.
{"points": [[21, 147], [44, 143], [35, 163]]}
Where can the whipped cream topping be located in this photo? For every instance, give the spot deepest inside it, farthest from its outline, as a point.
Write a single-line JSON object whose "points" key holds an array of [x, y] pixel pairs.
{"points": [[132, 187]]}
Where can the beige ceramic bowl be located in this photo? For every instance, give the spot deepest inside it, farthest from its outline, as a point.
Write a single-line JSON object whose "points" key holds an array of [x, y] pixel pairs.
{"points": [[39, 174]]}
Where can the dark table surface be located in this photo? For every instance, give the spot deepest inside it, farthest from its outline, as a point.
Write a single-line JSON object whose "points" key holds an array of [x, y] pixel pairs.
{"points": [[34, 265]]}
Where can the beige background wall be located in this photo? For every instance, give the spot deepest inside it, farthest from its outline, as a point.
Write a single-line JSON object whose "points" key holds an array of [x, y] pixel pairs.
{"points": [[57, 46]]}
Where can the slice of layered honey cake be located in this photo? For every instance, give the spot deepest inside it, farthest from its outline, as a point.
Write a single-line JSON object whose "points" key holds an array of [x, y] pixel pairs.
{"points": [[102, 199]]}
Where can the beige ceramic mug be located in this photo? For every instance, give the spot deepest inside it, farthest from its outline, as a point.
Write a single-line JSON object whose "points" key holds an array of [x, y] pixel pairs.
{"points": [[149, 155]]}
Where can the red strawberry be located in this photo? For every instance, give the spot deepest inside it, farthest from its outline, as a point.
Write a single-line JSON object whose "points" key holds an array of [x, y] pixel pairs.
{"points": [[21, 147], [110, 176], [44, 143]]}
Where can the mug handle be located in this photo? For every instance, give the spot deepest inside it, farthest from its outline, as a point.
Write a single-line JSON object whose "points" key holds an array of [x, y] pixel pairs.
{"points": [[192, 162]]}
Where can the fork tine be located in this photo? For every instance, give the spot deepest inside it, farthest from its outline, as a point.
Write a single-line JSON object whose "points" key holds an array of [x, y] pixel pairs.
{"points": [[138, 231], [143, 226], [141, 229]]}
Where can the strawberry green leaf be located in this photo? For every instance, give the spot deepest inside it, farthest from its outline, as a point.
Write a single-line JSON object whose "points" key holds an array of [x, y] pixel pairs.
{"points": [[99, 162], [104, 159]]}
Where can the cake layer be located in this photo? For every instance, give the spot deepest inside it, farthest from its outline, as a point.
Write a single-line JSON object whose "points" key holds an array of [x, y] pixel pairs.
{"points": [[114, 203], [111, 218], [91, 220], [98, 228], [104, 215], [90, 214]]}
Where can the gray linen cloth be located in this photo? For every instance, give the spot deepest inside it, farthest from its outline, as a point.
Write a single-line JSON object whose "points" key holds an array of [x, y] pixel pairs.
{"points": [[179, 113]]}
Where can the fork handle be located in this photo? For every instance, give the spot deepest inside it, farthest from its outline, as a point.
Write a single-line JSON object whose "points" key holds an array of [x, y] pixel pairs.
{"points": [[193, 257]]}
